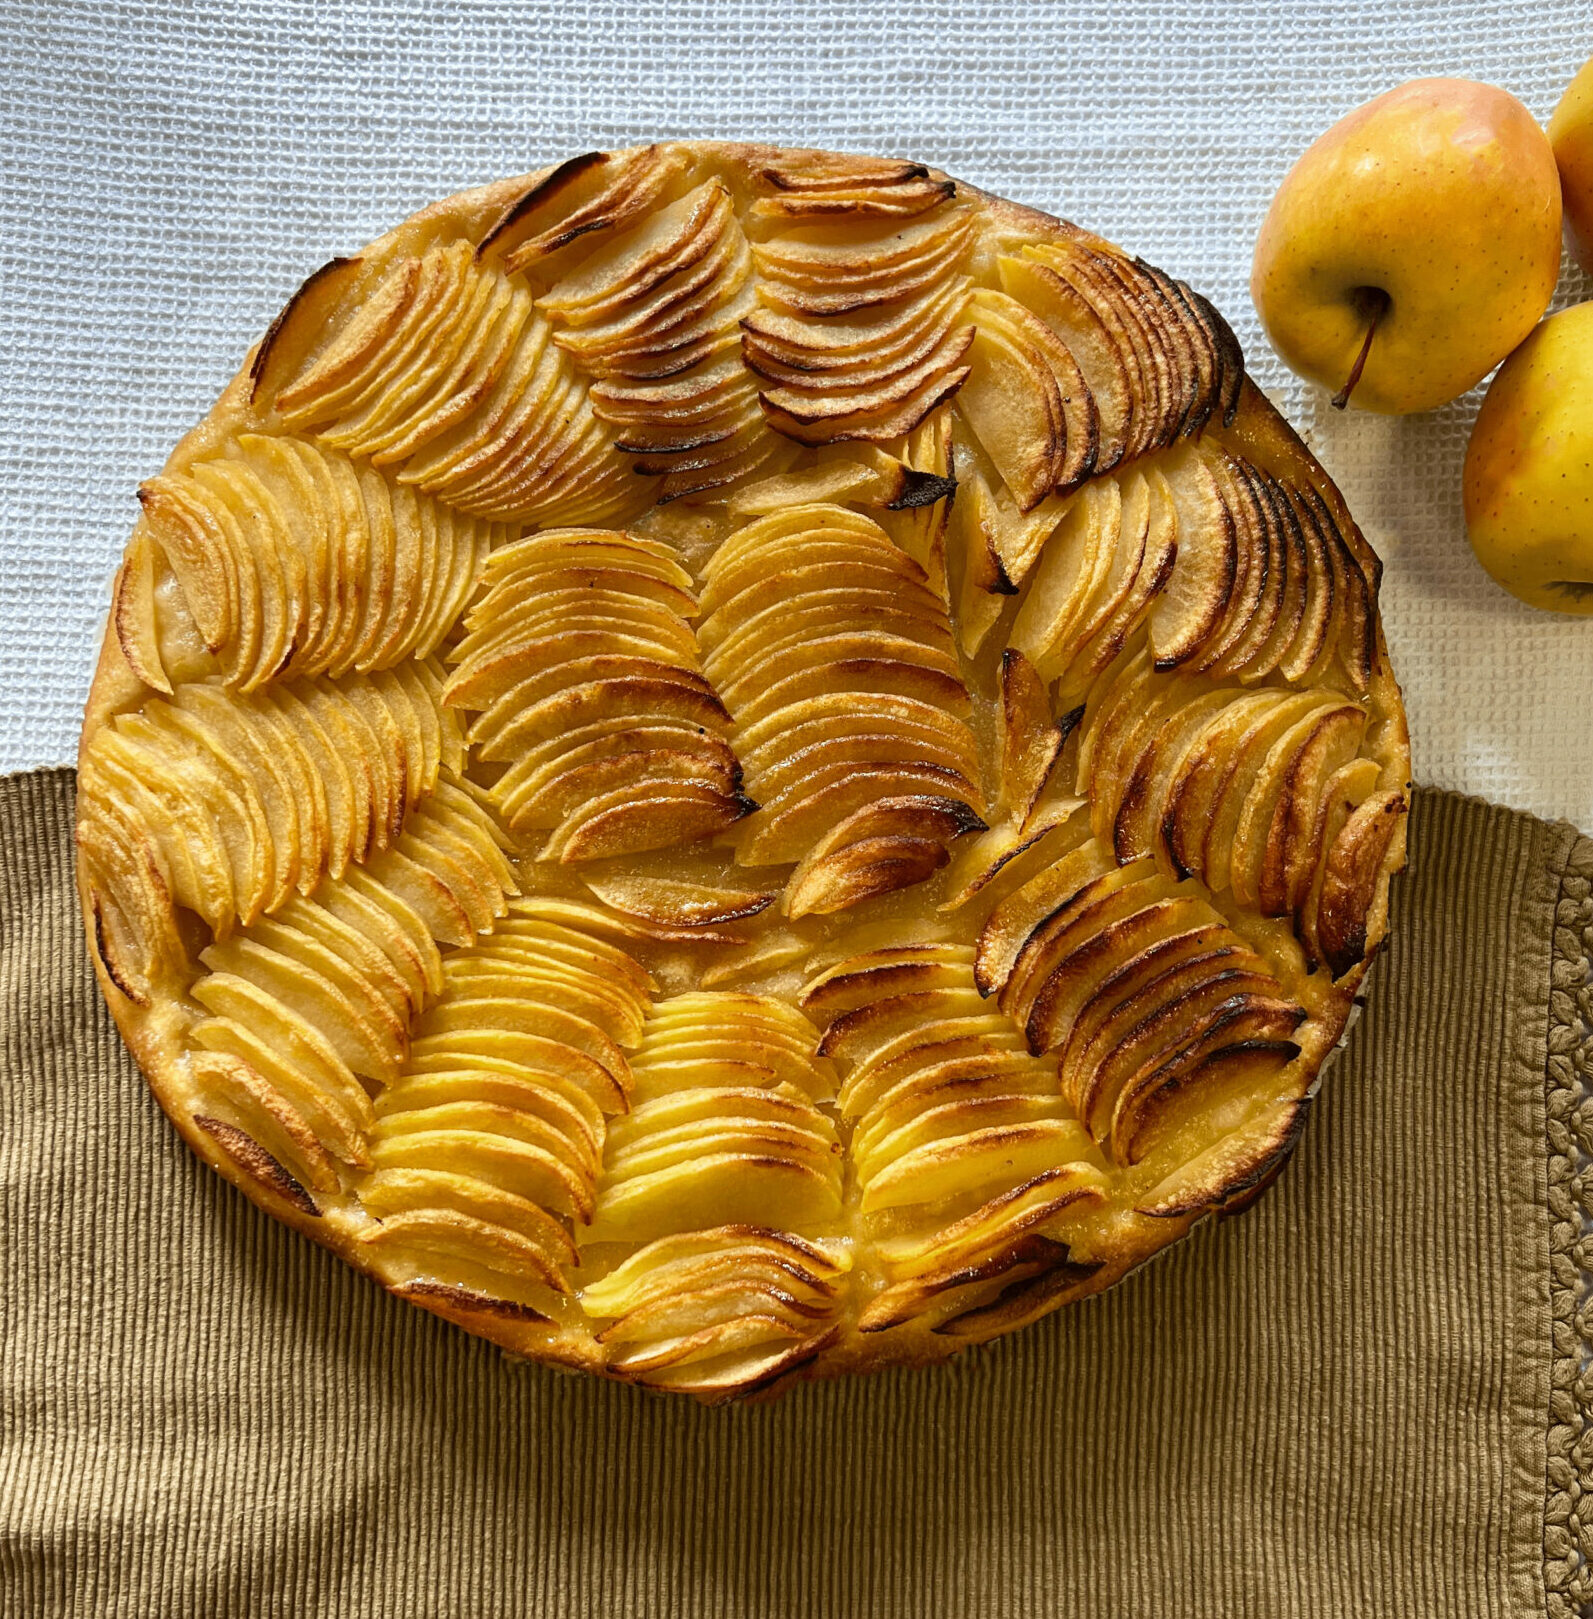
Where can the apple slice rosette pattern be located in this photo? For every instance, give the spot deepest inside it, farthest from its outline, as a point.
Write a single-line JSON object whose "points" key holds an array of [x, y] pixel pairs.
{"points": [[724, 764]]}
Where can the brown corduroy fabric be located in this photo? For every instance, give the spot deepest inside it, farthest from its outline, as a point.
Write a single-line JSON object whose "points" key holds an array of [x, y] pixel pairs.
{"points": [[1348, 1402]]}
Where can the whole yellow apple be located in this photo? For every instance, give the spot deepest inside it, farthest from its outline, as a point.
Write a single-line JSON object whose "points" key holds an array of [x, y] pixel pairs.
{"points": [[1413, 246], [1529, 468], [1571, 136]]}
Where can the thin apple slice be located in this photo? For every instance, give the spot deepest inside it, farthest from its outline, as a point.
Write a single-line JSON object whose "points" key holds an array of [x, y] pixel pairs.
{"points": [[912, 1060], [810, 1140], [943, 1127], [786, 827], [463, 1247], [1030, 740], [936, 1254], [990, 864], [1011, 399], [567, 1109], [387, 1192], [1287, 854], [1110, 898], [1074, 565], [714, 1189], [856, 980], [982, 574], [1245, 1057], [973, 1075], [1140, 983], [659, 816], [1355, 643], [1242, 812], [1348, 786], [1012, 922], [293, 1067], [1189, 611], [1291, 583], [1173, 1039], [1188, 799], [1144, 795], [1312, 641], [270, 1120], [1125, 740], [596, 193], [701, 1104], [988, 1159], [1252, 568], [1105, 403], [473, 1116], [1353, 899], [1086, 957]]}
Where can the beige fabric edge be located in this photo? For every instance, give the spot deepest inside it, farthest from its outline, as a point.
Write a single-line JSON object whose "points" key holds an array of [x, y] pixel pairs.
{"points": [[1568, 1521], [85, 1529]]}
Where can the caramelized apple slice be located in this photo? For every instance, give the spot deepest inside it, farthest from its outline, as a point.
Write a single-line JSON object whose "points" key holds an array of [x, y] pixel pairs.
{"points": [[1354, 889], [1189, 610]]}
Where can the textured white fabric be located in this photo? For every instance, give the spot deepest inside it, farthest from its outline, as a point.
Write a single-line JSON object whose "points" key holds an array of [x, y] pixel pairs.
{"points": [[171, 172]]}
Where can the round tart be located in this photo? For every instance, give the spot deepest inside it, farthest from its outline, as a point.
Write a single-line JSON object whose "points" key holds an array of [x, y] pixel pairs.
{"points": [[724, 764]]}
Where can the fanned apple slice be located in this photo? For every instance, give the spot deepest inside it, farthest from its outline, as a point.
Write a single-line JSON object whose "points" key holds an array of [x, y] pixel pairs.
{"points": [[1190, 609], [631, 820], [912, 1060], [990, 864], [1146, 979], [714, 1188], [1355, 642], [858, 979], [552, 779], [1354, 887], [813, 274], [1075, 961], [809, 1139], [565, 1108], [982, 578], [689, 1107], [271, 1124], [1252, 768], [1104, 901], [389, 1192], [1189, 797], [1073, 565], [1014, 920], [1200, 1017], [1030, 740], [1246, 1056], [1252, 559], [1262, 873], [458, 1116], [1144, 795], [1313, 639], [1011, 399], [1050, 298], [1126, 549], [1125, 734], [1291, 576], [939, 1170], [1349, 786], [296, 1068], [861, 869]]}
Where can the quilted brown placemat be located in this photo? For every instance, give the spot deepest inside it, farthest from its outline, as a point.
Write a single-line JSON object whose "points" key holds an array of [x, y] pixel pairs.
{"points": [[1368, 1396]]}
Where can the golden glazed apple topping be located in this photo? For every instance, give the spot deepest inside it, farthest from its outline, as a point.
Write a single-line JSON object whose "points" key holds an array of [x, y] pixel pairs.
{"points": [[726, 763]]}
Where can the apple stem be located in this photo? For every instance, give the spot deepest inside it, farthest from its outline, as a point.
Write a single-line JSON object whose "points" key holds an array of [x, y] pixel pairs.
{"points": [[1342, 397]]}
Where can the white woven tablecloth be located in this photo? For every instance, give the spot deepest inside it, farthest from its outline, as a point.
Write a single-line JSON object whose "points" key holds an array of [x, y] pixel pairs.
{"points": [[171, 172]]}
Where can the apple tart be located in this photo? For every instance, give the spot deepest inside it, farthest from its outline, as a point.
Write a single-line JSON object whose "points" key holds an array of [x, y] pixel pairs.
{"points": [[723, 764]]}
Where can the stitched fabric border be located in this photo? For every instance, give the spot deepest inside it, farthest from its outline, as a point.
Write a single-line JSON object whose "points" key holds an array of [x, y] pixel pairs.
{"points": [[1568, 1514]]}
